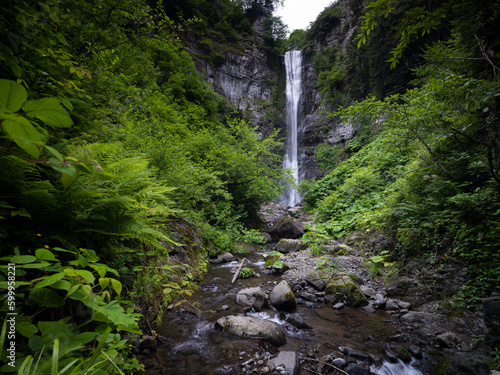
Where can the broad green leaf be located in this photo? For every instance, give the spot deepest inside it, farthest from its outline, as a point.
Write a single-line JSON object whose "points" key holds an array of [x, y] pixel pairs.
{"points": [[85, 337], [65, 102], [90, 254], [67, 179], [64, 168], [63, 250], [117, 286], [113, 313], [5, 284], [44, 254], [42, 264], [49, 280], [49, 110], [47, 297], [25, 327], [61, 284], [53, 152], [82, 261], [60, 329], [23, 133], [104, 282], [36, 343], [22, 259], [12, 96], [87, 275]]}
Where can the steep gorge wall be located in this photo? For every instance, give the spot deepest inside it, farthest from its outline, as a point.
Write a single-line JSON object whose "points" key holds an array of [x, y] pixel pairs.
{"points": [[246, 80]]}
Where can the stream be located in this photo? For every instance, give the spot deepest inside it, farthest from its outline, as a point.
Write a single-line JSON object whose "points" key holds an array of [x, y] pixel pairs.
{"points": [[193, 346]]}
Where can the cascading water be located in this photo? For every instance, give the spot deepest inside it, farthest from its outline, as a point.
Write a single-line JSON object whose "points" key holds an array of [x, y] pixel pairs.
{"points": [[398, 368], [293, 66]]}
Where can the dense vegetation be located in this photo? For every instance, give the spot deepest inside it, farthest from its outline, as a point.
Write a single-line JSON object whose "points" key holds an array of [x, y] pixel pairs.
{"points": [[114, 154], [428, 172]]}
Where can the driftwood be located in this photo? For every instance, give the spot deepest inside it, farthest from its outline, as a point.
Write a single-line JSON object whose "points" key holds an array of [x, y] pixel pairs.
{"points": [[238, 271]]}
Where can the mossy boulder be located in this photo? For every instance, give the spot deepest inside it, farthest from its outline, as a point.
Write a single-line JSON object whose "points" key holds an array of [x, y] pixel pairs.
{"points": [[288, 245], [341, 288], [282, 297]]}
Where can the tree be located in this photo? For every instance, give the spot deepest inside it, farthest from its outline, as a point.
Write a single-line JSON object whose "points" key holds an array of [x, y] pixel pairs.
{"points": [[448, 20]]}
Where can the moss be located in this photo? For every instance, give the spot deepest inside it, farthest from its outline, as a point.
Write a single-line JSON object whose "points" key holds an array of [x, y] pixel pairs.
{"points": [[404, 354], [346, 290]]}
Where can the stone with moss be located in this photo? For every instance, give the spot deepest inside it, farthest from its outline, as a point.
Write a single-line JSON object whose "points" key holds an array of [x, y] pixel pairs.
{"points": [[342, 288], [288, 245], [282, 297]]}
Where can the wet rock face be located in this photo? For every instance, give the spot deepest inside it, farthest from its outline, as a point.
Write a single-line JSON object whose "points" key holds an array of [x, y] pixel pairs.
{"points": [[246, 326], [491, 309]]}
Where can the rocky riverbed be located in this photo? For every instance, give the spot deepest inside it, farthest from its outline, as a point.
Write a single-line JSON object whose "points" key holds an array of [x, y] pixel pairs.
{"points": [[326, 311]]}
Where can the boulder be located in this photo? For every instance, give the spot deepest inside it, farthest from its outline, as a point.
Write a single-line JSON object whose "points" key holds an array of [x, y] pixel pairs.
{"points": [[253, 297], [286, 227], [246, 326], [354, 369], [491, 310], [418, 317], [297, 321], [342, 288], [391, 305], [282, 297], [223, 258], [315, 279], [288, 245], [450, 340], [288, 360]]}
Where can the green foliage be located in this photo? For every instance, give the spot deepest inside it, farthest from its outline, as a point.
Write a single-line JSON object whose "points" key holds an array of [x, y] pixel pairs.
{"points": [[109, 137], [273, 259], [328, 157], [50, 278], [429, 177], [245, 273], [325, 21], [327, 263]]}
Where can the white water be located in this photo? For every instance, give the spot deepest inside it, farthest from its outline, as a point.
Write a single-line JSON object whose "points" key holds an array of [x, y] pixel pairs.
{"points": [[293, 65], [398, 368]]}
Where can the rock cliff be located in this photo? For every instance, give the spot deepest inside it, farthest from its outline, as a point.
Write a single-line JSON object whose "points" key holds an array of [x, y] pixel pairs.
{"points": [[258, 90]]}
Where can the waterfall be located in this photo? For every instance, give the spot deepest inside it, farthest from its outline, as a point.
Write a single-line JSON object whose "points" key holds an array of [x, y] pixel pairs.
{"points": [[293, 65], [398, 368]]}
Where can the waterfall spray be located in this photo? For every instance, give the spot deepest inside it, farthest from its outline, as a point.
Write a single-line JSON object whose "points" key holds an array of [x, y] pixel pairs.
{"points": [[293, 65]]}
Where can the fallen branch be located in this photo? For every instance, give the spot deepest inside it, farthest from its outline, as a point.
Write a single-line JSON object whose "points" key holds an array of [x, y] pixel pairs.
{"points": [[324, 363], [238, 271]]}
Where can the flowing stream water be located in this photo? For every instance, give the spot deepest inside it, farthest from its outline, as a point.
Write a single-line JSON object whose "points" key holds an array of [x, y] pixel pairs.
{"points": [[194, 347], [293, 66]]}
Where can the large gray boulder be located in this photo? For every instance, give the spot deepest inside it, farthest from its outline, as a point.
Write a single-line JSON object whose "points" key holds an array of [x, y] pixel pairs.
{"points": [[282, 297], [246, 326], [286, 227], [288, 360], [253, 297], [342, 288]]}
